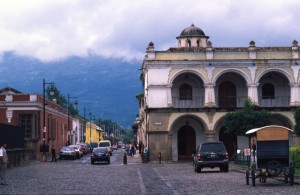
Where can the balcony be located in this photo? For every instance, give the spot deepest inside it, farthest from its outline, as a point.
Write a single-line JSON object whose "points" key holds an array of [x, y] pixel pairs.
{"points": [[232, 102], [277, 101], [196, 102]]}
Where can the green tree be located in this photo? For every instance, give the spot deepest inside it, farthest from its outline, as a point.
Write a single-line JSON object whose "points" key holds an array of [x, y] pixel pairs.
{"points": [[239, 122], [60, 99], [297, 121]]}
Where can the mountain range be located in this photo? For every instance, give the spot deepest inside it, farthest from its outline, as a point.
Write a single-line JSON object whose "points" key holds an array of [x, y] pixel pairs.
{"points": [[105, 87]]}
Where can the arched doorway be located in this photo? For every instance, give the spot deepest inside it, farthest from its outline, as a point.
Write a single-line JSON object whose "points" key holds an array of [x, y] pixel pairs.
{"points": [[186, 142], [230, 141], [227, 95]]}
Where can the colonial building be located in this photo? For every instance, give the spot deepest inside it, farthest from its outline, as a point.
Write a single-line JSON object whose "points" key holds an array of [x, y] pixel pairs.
{"points": [[25, 112], [189, 88], [93, 133]]}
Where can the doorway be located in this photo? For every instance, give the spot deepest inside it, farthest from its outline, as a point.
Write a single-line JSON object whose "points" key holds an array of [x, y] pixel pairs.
{"points": [[230, 141], [186, 142], [227, 95]]}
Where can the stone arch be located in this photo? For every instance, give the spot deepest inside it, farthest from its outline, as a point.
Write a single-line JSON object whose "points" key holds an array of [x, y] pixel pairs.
{"points": [[230, 141], [282, 88], [239, 72], [180, 124], [283, 72], [187, 71], [234, 92]]}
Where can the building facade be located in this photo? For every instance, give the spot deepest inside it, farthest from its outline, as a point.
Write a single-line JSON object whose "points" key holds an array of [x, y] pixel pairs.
{"points": [[26, 111], [189, 89], [93, 133]]}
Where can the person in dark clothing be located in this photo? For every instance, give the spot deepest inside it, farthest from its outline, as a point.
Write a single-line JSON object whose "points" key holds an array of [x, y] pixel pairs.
{"points": [[53, 154], [132, 150]]}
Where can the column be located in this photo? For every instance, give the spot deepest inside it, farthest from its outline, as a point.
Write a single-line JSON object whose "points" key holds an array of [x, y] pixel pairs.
{"points": [[252, 93], [209, 99], [295, 97]]}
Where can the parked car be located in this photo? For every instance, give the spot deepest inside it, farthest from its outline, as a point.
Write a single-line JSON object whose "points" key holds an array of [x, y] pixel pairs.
{"points": [[211, 154], [100, 154], [67, 152], [78, 150], [106, 143]]}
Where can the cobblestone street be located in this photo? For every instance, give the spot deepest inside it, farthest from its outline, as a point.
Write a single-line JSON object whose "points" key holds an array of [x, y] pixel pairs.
{"points": [[80, 177]]}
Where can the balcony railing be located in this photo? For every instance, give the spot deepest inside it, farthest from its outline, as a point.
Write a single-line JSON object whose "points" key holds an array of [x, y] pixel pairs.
{"points": [[231, 102], [196, 102], [277, 101]]}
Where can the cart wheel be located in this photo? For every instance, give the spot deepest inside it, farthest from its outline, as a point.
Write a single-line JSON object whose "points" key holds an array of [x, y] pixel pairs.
{"points": [[247, 177], [253, 177], [274, 167]]}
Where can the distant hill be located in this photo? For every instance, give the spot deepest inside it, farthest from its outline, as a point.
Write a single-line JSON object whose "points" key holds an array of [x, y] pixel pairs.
{"points": [[106, 87]]}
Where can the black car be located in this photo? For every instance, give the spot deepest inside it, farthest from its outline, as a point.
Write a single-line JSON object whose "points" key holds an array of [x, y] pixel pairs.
{"points": [[100, 154], [211, 154]]}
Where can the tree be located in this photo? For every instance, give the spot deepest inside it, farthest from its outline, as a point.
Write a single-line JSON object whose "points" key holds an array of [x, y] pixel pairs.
{"points": [[239, 122], [60, 99], [297, 121]]}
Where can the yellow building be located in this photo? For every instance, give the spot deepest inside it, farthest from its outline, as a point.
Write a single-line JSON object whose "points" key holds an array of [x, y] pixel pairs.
{"points": [[93, 133]]}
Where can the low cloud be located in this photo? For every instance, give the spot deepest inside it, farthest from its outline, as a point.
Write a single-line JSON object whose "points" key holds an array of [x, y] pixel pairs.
{"points": [[55, 30]]}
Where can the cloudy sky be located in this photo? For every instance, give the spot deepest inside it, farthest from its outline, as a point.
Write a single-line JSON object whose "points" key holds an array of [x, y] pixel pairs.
{"points": [[54, 30]]}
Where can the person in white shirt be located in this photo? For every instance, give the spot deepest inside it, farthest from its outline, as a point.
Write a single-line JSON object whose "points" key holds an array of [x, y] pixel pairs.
{"points": [[3, 164]]}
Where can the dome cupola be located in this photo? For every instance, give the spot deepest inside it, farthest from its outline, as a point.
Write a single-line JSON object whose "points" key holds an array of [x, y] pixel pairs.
{"points": [[192, 37]]}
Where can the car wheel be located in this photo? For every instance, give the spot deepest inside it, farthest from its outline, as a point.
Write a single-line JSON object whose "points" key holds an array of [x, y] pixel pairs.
{"points": [[224, 168], [195, 167], [108, 162], [92, 162], [198, 169]]}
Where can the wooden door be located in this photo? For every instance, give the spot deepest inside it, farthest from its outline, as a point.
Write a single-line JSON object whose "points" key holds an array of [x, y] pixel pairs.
{"points": [[186, 142], [227, 95], [230, 141]]}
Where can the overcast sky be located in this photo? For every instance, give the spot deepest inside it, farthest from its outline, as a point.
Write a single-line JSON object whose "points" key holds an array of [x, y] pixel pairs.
{"points": [[55, 30]]}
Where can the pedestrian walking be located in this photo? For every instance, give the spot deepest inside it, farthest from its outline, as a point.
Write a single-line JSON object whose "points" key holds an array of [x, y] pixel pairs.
{"points": [[3, 164], [53, 154], [132, 150]]}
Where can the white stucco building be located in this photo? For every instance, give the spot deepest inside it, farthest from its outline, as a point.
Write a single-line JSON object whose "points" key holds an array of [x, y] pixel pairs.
{"points": [[189, 88]]}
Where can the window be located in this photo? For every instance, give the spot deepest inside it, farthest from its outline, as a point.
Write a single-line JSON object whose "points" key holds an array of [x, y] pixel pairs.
{"points": [[198, 43], [185, 92], [268, 91], [188, 43], [27, 122]]}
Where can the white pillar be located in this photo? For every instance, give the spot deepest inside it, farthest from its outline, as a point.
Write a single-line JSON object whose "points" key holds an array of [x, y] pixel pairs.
{"points": [[209, 99], [169, 95], [252, 93], [295, 96]]}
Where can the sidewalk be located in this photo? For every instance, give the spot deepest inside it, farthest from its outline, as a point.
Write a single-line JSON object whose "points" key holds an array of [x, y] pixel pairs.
{"points": [[136, 159]]}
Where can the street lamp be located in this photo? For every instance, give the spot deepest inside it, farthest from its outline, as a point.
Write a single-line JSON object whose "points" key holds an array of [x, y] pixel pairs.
{"points": [[90, 126], [76, 104], [51, 91]]}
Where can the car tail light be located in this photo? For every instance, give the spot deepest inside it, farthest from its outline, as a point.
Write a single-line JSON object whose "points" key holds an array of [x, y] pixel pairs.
{"points": [[198, 156], [92, 154], [226, 155]]}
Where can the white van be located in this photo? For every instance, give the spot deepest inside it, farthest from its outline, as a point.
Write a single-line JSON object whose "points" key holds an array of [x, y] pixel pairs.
{"points": [[106, 143]]}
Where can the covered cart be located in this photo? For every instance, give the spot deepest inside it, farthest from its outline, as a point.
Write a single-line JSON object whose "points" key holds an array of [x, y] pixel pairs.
{"points": [[270, 154]]}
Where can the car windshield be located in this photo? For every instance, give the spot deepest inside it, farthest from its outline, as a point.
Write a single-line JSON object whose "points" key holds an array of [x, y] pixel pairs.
{"points": [[208, 147], [103, 144], [99, 150], [67, 148]]}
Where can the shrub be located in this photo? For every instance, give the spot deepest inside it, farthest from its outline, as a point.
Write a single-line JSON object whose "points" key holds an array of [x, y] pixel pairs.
{"points": [[295, 155]]}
